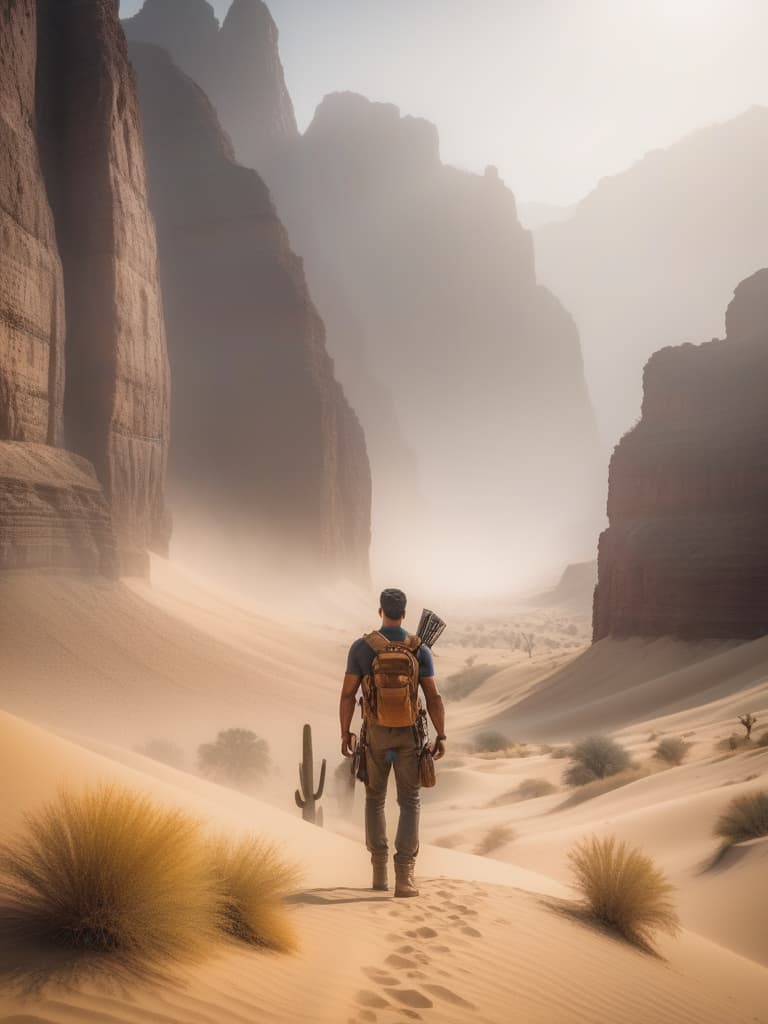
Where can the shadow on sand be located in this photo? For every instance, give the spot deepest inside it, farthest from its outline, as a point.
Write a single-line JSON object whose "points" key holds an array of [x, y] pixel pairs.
{"points": [[336, 896]]}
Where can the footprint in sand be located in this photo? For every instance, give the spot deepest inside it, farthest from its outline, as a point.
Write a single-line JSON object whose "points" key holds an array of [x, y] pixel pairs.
{"points": [[416, 974], [395, 960], [469, 930], [440, 992], [367, 1015], [442, 949], [410, 1014], [380, 977], [413, 998], [422, 933], [370, 999], [405, 949]]}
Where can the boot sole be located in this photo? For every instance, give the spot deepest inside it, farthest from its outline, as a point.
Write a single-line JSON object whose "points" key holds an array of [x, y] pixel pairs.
{"points": [[405, 895]]}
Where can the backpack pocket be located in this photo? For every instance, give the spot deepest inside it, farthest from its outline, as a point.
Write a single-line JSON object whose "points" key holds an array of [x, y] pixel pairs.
{"points": [[393, 678]]}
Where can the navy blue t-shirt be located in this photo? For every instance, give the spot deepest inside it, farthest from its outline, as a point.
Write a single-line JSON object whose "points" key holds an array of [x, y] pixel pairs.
{"points": [[360, 658]]}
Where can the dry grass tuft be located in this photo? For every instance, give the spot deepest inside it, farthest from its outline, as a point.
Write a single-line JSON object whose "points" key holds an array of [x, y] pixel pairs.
{"points": [[254, 879], [110, 871], [745, 817], [494, 839], [624, 889], [595, 757]]}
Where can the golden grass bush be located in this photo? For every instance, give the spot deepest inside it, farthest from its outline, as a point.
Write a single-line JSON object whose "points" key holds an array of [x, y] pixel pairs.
{"points": [[494, 839], [622, 888], [110, 871], [254, 879], [745, 818]]}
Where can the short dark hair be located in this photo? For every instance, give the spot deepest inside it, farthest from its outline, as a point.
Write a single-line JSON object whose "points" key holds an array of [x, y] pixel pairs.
{"points": [[393, 603]]}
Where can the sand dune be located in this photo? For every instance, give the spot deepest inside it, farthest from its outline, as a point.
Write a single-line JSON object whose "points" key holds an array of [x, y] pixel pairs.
{"points": [[468, 949]]}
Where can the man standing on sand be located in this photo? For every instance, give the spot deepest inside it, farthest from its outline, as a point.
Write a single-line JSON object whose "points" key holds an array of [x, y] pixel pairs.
{"points": [[391, 666]]}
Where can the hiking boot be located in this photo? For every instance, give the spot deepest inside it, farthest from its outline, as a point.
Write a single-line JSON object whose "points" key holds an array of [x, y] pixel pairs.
{"points": [[380, 876], [405, 885]]}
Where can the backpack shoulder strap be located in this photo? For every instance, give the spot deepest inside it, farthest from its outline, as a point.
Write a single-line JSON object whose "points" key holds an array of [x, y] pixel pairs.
{"points": [[376, 641]]}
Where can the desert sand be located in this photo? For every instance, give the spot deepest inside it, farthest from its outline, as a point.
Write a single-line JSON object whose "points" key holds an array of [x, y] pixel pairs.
{"points": [[90, 671]]}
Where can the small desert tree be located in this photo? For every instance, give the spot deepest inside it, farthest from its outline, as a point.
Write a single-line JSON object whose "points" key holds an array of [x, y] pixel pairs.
{"points": [[748, 721], [528, 641], [237, 756], [596, 757]]}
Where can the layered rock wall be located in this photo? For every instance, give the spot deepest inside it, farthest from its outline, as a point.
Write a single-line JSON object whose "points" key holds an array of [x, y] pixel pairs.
{"points": [[82, 344], [686, 552], [265, 444]]}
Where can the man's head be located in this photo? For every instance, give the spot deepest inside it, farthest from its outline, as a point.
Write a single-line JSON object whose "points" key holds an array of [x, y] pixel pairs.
{"points": [[392, 604]]}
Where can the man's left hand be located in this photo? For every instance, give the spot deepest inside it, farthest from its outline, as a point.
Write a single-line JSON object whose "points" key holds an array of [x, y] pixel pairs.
{"points": [[438, 750]]}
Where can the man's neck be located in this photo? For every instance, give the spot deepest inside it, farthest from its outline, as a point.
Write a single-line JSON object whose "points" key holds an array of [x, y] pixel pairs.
{"points": [[391, 623]]}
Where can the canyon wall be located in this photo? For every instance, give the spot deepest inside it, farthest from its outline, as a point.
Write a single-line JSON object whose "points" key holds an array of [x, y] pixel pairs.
{"points": [[686, 551], [265, 446], [82, 342]]}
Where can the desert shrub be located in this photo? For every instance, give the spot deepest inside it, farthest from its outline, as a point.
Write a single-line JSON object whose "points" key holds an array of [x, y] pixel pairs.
{"points": [[254, 879], [599, 786], [595, 758], [110, 871], [237, 757], [468, 679], [560, 753], [494, 838], [490, 742], [672, 749], [623, 888], [163, 751], [530, 789], [763, 741], [745, 817]]}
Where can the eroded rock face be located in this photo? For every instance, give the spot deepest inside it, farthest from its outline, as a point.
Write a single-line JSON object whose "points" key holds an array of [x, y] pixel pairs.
{"points": [[265, 444], [82, 342], [238, 66], [52, 512], [686, 552], [31, 283]]}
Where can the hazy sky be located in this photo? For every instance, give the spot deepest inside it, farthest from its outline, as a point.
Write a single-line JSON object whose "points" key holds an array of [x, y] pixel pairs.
{"points": [[557, 93]]}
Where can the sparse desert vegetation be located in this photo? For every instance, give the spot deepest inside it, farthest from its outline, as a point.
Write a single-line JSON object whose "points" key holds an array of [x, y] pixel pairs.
{"points": [[494, 839], [622, 887], [110, 871], [254, 878], [237, 757], [595, 757], [491, 742], [672, 749], [745, 818], [749, 721]]}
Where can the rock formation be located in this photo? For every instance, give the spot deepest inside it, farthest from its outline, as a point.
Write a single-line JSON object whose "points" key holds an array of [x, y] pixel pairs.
{"points": [[649, 258], [238, 67], [484, 364], [82, 343], [686, 551], [53, 514], [265, 443]]}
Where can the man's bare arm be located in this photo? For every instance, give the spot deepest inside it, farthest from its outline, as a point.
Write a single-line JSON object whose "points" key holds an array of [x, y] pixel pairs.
{"points": [[436, 710], [347, 703]]}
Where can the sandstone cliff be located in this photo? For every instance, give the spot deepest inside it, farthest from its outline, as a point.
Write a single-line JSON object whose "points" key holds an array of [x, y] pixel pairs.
{"points": [[238, 66], [649, 258], [483, 362], [265, 443], [686, 552], [82, 343]]}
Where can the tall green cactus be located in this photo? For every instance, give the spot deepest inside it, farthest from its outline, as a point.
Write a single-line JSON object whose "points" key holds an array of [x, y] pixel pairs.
{"points": [[306, 797]]}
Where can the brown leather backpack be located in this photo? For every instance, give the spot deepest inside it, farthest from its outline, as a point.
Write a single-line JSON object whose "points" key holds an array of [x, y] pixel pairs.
{"points": [[391, 691]]}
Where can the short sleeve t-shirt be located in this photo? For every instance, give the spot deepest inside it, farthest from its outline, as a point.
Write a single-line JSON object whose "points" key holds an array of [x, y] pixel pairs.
{"points": [[360, 658]]}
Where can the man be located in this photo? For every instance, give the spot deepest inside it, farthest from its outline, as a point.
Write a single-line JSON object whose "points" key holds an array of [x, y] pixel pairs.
{"points": [[387, 744]]}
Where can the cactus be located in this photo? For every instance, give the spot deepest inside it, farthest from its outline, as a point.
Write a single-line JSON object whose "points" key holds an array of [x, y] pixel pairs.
{"points": [[306, 797]]}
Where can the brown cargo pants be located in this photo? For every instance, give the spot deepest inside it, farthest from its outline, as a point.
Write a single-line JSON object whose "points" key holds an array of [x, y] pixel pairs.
{"points": [[388, 747]]}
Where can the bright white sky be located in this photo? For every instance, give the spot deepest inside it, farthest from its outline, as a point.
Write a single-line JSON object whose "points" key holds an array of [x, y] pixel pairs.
{"points": [[557, 93]]}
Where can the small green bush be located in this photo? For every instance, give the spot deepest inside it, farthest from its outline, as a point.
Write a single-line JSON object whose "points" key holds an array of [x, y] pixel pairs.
{"points": [[595, 758], [745, 817], [672, 749], [622, 888]]}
